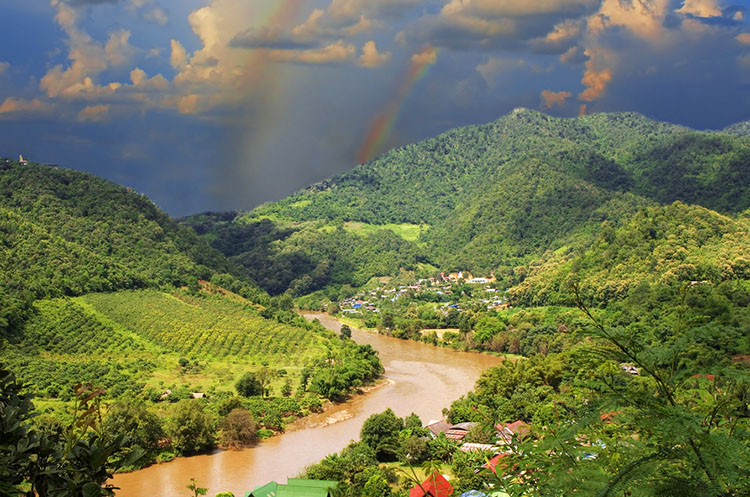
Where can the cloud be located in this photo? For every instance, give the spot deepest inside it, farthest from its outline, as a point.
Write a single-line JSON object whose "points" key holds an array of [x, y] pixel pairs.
{"points": [[178, 57], [79, 3], [334, 53], [94, 113], [88, 57], [573, 55], [273, 37], [551, 99], [427, 55], [516, 8], [370, 56], [597, 76], [743, 38], [117, 50], [560, 38], [644, 18], [318, 25], [350, 11], [157, 15], [13, 105], [700, 8], [141, 81], [496, 66], [3, 66]]}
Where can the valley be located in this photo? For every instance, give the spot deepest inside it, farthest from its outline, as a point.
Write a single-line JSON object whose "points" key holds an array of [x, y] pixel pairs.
{"points": [[599, 265]]}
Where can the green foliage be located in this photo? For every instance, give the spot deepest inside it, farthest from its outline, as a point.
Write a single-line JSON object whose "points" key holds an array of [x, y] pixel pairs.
{"points": [[249, 385], [190, 428], [71, 461], [238, 429], [496, 196], [381, 433], [142, 428], [206, 325], [97, 235]]}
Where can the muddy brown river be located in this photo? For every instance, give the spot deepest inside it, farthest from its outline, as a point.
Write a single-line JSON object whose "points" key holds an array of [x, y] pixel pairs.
{"points": [[420, 378]]}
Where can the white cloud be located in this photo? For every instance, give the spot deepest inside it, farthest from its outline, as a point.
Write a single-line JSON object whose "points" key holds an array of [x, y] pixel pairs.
{"points": [[178, 57], [700, 8], [94, 113], [157, 15], [14, 105], [370, 56], [334, 53]]}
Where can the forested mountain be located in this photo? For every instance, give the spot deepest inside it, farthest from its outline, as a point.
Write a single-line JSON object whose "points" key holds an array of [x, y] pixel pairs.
{"points": [[66, 232], [99, 286], [739, 129], [491, 197]]}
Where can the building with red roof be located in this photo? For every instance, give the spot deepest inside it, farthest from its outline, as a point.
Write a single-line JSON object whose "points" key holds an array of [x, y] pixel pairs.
{"points": [[434, 486]]}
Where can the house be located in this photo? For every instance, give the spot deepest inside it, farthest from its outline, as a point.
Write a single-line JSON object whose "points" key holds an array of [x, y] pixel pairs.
{"points": [[434, 486], [459, 431], [166, 394], [630, 369], [474, 447], [493, 463], [437, 427], [198, 395], [505, 433], [22, 161], [295, 487]]}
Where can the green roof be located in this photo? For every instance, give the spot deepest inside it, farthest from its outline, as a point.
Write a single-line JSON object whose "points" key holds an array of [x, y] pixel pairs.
{"points": [[295, 487]]}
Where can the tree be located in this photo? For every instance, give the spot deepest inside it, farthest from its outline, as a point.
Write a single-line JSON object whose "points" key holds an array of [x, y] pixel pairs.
{"points": [[249, 385], [238, 429], [380, 432], [190, 428], [346, 332], [142, 426], [67, 461]]}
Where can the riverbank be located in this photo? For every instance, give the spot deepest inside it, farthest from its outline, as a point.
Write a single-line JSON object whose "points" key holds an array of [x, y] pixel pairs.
{"points": [[418, 378]]}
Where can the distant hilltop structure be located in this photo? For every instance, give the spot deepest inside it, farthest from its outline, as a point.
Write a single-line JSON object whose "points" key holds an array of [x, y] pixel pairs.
{"points": [[22, 161]]}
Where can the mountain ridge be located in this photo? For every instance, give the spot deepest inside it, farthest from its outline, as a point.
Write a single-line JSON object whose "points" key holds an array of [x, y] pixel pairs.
{"points": [[498, 195]]}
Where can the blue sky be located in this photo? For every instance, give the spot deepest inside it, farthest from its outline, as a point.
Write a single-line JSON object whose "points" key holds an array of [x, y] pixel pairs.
{"points": [[225, 104]]}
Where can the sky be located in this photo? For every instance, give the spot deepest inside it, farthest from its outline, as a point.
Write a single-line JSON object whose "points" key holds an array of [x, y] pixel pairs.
{"points": [[226, 104]]}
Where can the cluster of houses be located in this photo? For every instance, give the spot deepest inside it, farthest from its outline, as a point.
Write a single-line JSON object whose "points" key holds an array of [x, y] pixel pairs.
{"points": [[440, 285], [435, 485]]}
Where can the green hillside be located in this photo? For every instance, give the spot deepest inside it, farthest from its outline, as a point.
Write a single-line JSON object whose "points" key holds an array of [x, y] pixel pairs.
{"points": [[668, 246], [739, 129], [99, 286], [489, 197], [140, 342]]}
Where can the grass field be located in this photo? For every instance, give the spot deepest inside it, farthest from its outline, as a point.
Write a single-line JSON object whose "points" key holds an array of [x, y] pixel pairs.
{"points": [[409, 232]]}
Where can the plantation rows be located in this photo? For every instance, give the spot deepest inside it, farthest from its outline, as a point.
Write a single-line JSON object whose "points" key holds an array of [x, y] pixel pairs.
{"points": [[61, 326], [56, 378], [212, 326]]}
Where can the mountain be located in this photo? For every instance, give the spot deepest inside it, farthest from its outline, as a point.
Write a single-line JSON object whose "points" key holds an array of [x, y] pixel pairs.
{"points": [[739, 129], [492, 197], [662, 246], [97, 284]]}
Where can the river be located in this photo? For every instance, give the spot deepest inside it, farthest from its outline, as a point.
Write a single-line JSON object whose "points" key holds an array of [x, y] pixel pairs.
{"points": [[420, 378]]}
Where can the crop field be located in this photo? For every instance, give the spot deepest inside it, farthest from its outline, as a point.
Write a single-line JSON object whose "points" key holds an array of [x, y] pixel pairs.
{"points": [[207, 327]]}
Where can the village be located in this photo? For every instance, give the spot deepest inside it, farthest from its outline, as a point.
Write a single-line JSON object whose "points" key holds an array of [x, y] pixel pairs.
{"points": [[453, 291], [506, 439]]}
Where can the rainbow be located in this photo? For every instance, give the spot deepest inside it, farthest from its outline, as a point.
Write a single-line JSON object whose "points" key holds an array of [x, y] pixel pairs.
{"points": [[383, 124]]}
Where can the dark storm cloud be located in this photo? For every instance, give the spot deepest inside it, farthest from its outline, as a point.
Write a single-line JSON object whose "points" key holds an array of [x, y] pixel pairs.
{"points": [[198, 122]]}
